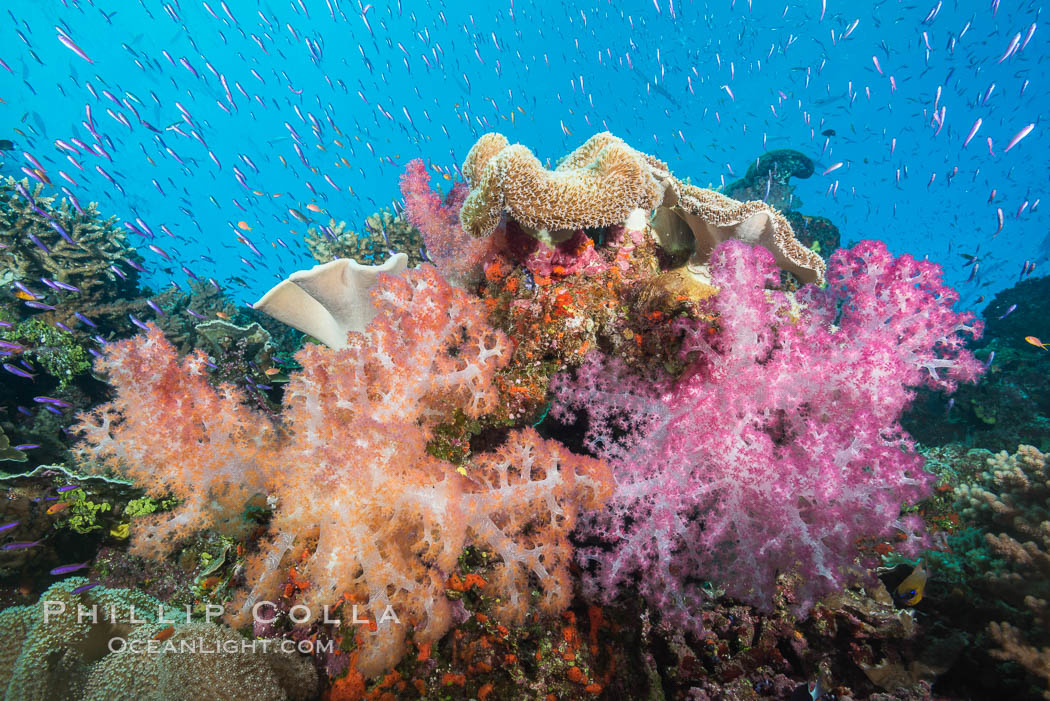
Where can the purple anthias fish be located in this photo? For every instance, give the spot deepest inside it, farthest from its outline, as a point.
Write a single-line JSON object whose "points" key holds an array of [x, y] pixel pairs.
{"points": [[66, 569], [20, 546], [85, 587], [9, 526], [18, 371], [26, 446], [85, 320], [67, 488]]}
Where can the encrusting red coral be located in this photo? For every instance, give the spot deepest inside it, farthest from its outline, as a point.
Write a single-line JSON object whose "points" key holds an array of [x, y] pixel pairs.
{"points": [[360, 506]]}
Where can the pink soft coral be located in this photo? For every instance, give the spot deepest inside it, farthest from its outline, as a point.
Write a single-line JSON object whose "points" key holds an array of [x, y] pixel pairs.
{"points": [[780, 446], [360, 507], [455, 252]]}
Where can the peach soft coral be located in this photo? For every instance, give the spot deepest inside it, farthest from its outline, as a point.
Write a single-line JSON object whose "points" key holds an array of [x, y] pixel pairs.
{"points": [[359, 503]]}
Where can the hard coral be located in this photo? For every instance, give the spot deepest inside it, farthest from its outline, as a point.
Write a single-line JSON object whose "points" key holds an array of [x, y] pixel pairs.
{"points": [[779, 446], [83, 257], [386, 234], [1012, 503], [361, 508]]}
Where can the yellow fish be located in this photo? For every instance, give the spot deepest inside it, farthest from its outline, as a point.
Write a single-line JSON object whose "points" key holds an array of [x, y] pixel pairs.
{"points": [[1036, 342], [909, 592]]}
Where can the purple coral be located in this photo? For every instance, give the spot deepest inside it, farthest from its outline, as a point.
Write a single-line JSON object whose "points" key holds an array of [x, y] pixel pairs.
{"points": [[780, 446]]}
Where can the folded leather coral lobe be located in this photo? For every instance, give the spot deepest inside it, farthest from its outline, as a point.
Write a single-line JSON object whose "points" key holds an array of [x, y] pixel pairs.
{"points": [[602, 183]]}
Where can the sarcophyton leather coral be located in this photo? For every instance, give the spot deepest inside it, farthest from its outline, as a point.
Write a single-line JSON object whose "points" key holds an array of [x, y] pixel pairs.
{"points": [[604, 182], [598, 184], [359, 505]]}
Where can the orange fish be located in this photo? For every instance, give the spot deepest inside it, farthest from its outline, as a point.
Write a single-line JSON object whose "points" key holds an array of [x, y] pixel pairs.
{"points": [[244, 226], [222, 315], [338, 143], [165, 634], [24, 296], [60, 506], [314, 208], [1036, 342], [210, 582], [446, 176]]}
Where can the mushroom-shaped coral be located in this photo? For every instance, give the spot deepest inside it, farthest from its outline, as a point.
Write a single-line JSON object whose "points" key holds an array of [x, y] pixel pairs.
{"points": [[599, 184], [712, 218], [604, 182], [328, 301]]}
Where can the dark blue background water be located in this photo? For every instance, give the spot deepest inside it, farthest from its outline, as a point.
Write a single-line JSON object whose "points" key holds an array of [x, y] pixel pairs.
{"points": [[651, 73]]}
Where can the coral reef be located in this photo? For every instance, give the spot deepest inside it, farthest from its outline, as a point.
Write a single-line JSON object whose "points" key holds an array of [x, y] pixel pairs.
{"points": [[387, 234], [453, 251], [604, 182], [1012, 501], [57, 352], [52, 651], [63, 526], [779, 446], [360, 507], [1012, 405], [68, 246], [767, 179]]}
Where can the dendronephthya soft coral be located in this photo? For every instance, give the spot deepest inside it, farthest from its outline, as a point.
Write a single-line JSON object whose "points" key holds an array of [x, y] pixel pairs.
{"points": [[779, 446], [360, 507]]}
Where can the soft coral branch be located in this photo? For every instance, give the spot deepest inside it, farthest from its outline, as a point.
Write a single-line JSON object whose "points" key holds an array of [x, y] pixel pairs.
{"points": [[455, 252], [361, 508], [780, 446]]}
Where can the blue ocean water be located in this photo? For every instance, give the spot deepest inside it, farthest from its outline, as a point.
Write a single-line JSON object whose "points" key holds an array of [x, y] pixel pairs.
{"points": [[197, 106]]}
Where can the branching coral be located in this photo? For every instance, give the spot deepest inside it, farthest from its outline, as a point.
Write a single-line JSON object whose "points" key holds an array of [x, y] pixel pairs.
{"points": [[361, 507], [779, 446], [455, 252], [48, 239], [1013, 501], [386, 234]]}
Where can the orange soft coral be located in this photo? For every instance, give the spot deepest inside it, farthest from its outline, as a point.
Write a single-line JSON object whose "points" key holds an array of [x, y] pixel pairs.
{"points": [[172, 433], [361, 507]]}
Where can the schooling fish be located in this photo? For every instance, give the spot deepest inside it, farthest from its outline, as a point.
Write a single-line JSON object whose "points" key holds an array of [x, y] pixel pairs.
{"points": [[66, 569], [85, 587], [9, 526], [21, 546], [18, 371]]}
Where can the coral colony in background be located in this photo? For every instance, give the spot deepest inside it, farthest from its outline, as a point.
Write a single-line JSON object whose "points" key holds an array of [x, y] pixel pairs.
{"points": [[581, 432]]}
